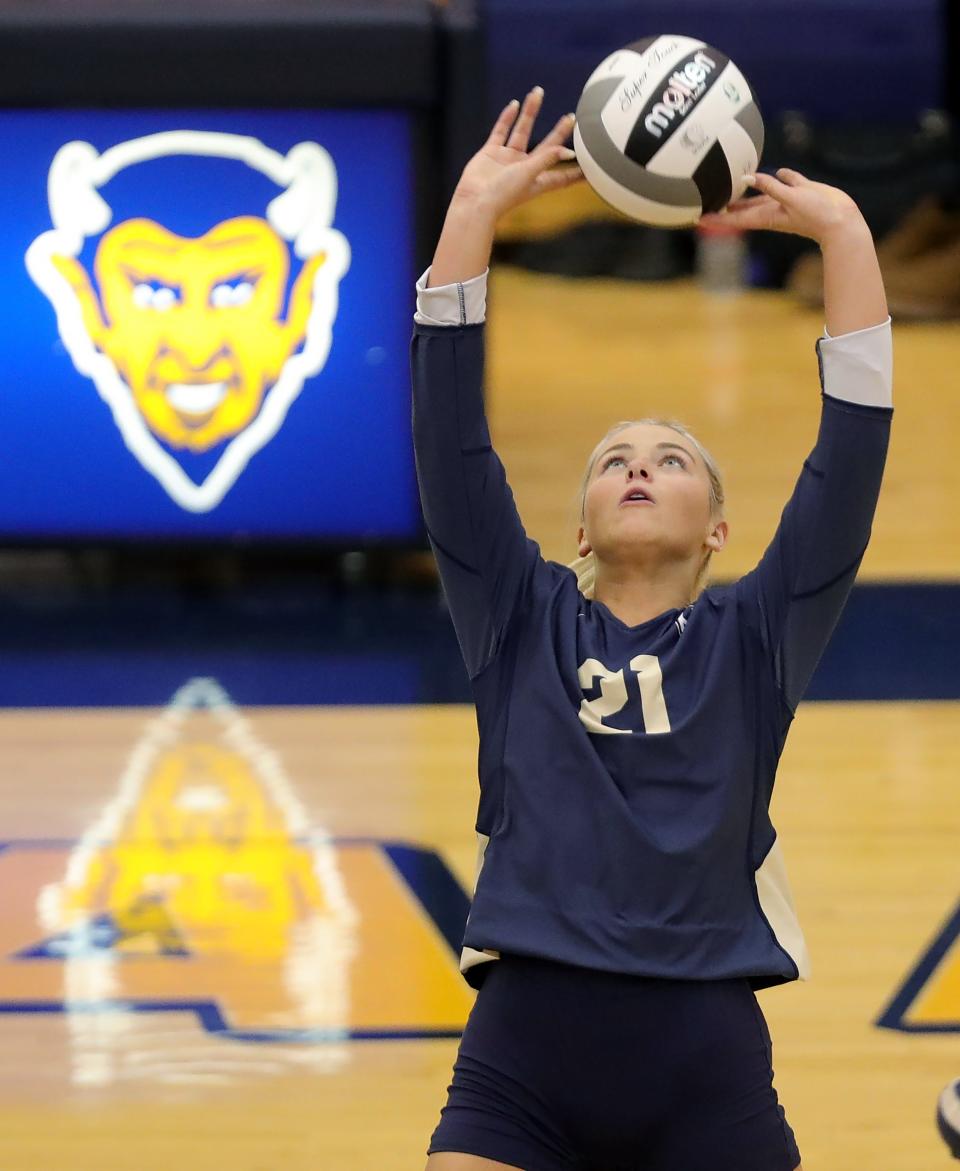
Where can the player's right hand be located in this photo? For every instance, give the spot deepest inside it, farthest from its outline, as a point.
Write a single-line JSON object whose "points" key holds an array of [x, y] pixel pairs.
{"points": [[503, 174]]}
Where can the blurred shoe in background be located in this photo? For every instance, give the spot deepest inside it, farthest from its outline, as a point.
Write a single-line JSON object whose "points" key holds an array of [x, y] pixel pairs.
{"points": [[919, 259]]}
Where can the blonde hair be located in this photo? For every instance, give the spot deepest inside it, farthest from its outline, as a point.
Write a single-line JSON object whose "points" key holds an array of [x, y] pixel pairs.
{"points": [[586, 567]]}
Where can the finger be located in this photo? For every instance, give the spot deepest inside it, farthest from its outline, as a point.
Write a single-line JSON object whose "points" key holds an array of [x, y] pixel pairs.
{"points": [[501, 128], [721, 218], [520, 135], [561, 131], [751, 201], [768, 185], [543, 158], [793, 178], [747, 218], [559, 177]]}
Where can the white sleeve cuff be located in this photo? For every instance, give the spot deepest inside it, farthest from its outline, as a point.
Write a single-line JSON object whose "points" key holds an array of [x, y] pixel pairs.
{"points": [[459, 304], [857, 367]]}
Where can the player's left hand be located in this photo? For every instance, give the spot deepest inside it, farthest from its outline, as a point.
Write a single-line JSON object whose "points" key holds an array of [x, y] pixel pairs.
{"points": [[790, 202]]}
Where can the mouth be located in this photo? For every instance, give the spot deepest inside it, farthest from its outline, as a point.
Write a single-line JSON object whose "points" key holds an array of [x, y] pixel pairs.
{"points": [[195, 399], [636, 496]]}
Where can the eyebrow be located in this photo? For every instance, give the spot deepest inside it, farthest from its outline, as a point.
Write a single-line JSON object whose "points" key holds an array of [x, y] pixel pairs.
{"points": [[142, 273], [658, 447], [160, 246], [151, 245], [232, 241]]}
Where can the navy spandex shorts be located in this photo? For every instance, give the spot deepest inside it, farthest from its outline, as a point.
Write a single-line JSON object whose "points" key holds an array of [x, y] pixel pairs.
{"points": [[567, 1069]]}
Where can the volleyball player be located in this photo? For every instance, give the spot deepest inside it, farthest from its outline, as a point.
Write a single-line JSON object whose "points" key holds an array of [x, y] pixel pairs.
{"points": [[630, 896]]}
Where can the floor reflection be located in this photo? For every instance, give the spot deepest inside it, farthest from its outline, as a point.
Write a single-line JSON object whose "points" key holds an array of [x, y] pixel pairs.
{"points": [[206, 854], [207, 926]]}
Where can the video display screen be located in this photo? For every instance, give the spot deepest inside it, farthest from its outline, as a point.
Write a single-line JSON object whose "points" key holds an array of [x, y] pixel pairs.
{"points": [[207, 324]]}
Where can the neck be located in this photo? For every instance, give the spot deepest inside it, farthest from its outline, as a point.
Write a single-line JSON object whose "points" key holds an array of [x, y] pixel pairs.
{"points": [[637, 594]]}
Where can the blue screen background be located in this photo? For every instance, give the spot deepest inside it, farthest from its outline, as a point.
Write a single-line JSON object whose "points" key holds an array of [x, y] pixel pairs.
{"points": [[341, 467]]}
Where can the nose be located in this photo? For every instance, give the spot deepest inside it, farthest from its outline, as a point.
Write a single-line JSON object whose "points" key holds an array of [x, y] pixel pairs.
{"points": [[637, 471]]}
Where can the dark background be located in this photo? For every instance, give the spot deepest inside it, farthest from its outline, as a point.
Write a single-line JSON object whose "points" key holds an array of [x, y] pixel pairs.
{"points": [[846, 86]]}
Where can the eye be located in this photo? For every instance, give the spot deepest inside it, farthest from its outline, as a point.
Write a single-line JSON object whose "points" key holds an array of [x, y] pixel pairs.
{"points": [[227, 294], [611, 460], [155, 295], [678, 459]]}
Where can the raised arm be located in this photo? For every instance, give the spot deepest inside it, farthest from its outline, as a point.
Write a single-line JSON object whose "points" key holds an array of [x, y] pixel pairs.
{"points": [[484, 557], [797, 592], [853, 294], [500, 177]]}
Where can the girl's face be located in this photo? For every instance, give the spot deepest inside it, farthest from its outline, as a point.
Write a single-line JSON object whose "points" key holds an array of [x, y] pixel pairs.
{"points": [[648, 497]]}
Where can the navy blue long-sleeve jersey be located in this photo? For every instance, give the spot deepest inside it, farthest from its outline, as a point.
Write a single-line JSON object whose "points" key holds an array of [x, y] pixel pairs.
{"points": [[626, 772]]}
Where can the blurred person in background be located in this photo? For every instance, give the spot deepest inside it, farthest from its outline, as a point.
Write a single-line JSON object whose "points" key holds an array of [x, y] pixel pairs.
{"points": [[920, 257]]}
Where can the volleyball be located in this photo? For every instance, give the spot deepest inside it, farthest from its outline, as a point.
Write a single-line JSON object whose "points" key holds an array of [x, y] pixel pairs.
{"points": [[948, 1116], [667, 128]]}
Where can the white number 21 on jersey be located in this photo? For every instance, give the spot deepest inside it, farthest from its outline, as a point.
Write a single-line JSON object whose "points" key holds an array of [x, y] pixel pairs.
{"points": [[613, 695]]}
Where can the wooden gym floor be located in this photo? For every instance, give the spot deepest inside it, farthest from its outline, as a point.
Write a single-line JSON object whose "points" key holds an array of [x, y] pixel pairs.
{"points": [[226, 933]]}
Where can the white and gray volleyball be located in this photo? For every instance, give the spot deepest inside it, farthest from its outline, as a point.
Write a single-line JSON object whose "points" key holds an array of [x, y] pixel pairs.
{"points": [[667, 128], [948, 1116]]}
